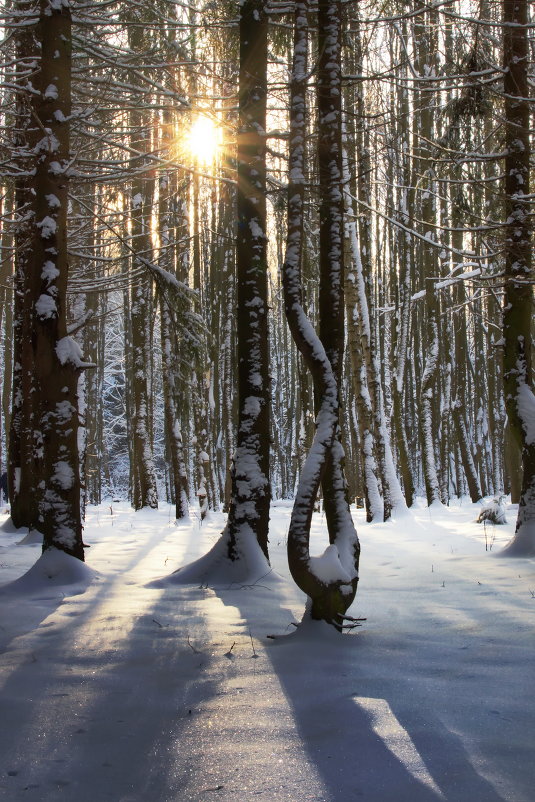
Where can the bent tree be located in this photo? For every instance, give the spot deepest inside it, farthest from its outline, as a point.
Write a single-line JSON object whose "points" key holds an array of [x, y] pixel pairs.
{"points": [[330, 581], [518, 308]]}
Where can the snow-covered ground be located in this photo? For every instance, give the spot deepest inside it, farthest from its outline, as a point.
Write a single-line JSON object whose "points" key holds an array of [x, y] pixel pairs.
{"points": [[116, 687]]}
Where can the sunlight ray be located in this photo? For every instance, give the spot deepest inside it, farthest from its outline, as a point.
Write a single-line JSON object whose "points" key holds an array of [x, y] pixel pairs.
{"points": [[396, 738]]}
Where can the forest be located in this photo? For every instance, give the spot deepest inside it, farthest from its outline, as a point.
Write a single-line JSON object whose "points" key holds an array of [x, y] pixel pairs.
{"points": [[274, 251], [266, 299]]}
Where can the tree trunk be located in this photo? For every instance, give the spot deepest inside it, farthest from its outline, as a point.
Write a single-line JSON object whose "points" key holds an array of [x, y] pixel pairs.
{"points": [[23, 466], [330, 595], [57, 358], [144, 489], [251, 491], [518, 301]]}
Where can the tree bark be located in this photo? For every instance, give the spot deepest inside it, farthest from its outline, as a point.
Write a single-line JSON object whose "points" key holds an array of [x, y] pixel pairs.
{"points": [[330, 596], [518, 301], [251, 491], [57, 358], [23, 466]]}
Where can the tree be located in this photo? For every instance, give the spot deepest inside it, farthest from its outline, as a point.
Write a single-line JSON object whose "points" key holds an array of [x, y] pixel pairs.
{"points": [[244, 542], [518, 299], [251, 491], [144, 490], [22, 465], [56, 356], [330, 581]]}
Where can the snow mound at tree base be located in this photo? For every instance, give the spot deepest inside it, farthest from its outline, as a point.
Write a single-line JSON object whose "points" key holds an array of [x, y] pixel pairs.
{"points": [[523, 543], [34, 537], [9, 527], [216, 569], [309, 632], [55, 574]]}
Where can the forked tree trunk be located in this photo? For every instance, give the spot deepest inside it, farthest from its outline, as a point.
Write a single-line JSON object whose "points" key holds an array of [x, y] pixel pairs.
{"points": [[329, 581]]}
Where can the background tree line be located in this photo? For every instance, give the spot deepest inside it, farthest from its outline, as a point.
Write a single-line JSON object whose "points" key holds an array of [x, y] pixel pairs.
{"points": [[435, 132]]}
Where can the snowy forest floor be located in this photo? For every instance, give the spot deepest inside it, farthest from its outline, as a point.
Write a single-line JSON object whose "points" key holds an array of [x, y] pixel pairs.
{"points": [[127, 691]]}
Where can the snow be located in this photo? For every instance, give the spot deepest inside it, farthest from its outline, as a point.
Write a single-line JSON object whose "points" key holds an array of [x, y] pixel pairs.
{"points": [[256, 230], [328, 567], [53, 201], [68, 350], [56, 5], [418, 295], [63, 475], [251, 406], [49, 272], [45, 306], [526, 410], [53, 576], [48, 227], [51, 92], [118, 682], [461, 277]]}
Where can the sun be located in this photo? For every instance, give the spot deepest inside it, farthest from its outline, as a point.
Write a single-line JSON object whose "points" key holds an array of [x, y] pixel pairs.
{"points": [[204, 139]]}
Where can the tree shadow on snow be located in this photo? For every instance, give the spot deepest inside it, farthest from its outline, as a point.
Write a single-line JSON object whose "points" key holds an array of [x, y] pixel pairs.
{"points": [[368, 737], [93, 719]]}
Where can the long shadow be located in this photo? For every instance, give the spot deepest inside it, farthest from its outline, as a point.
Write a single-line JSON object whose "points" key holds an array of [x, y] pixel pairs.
{"points": [[95, 698], [128, 719], [368, 732], [106, 724], [19, 613]]}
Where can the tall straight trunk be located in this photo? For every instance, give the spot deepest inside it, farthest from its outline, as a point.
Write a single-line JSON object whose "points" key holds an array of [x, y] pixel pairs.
{"points": [[171, 357], [224, 289], [470, 472], [144, 489], [251, 491], [57, 358], [401, 334], [5, 304], [23, 465], [355, 299], [518, 301], [367, 377], [424, 200], [512, 456], [357, 232], [94, 388], [228, 361]]}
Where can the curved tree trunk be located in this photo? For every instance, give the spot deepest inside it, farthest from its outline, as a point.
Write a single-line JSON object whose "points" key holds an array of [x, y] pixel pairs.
{"points": [[331, 580]]}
